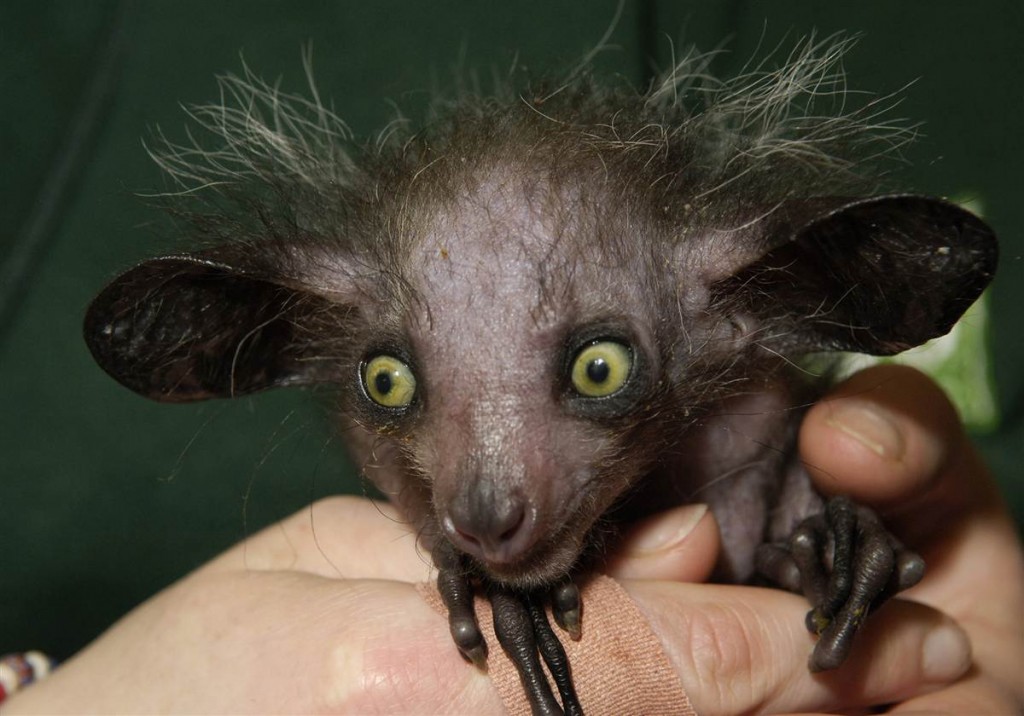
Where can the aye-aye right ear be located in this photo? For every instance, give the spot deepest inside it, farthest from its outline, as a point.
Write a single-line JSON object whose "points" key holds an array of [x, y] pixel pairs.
{"points": [[189, 327], [876, 275]]}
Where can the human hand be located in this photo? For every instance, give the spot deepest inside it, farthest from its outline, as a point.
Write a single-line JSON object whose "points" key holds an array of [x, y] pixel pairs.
{"points": [[889, 438], [315, 614], [937, 495], [318, 614]]}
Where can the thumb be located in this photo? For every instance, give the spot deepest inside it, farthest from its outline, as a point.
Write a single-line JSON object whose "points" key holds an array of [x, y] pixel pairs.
{"points": [[678, 545]]}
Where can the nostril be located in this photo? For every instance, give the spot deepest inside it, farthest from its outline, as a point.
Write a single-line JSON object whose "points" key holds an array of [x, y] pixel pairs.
{"points": [[468, 536], [515, 522], [500, 533]]}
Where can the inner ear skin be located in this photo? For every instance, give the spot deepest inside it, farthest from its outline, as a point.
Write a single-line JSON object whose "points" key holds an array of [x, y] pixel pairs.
{"points": [[876, 275]]}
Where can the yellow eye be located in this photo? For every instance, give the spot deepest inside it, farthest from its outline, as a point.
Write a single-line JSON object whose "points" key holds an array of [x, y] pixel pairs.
{"points": [[601, 369], [389, 382]]}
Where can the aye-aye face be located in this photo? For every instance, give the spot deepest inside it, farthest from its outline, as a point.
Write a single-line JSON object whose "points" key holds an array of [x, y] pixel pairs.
{"points": [[525, 369]]}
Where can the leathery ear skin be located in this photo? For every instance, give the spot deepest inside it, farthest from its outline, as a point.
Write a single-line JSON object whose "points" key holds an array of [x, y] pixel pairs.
{"points": [[187, 328], [876, 275]]}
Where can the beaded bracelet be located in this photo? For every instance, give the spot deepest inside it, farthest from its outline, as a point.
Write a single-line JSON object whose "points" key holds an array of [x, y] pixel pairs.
{"points": [[19, 670]]}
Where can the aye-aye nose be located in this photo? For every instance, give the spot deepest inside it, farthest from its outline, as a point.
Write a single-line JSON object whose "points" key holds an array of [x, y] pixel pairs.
{"points": [[496, 528]]}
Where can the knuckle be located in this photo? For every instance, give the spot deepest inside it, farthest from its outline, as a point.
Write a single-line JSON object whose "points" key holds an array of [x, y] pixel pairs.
{"points": [[731, 656]]}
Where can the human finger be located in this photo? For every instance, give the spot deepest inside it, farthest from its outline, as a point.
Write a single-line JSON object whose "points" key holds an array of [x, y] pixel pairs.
{"points": [[745, 650], [974, 694], [269, 642], [883, 435], [889, 437], [680, 544], [340, 537]]}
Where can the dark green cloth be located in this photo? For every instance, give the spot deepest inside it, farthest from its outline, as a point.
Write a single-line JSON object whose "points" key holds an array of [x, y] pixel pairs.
{"points": [[105, 497]]}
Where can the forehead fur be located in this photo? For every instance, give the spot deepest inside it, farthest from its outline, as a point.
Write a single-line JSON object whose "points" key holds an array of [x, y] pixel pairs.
{"points": [[690, 153]]}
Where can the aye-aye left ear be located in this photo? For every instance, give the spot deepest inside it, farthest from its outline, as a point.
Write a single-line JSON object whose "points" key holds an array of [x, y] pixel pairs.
{"points": [[874, 275], [192, 327]]}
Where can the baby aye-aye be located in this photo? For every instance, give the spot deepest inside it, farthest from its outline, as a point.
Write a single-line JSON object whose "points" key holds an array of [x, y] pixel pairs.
{"points": [[558, 307]]}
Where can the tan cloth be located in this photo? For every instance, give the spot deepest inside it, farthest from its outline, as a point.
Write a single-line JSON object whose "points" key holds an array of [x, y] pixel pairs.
{"points": [[618, 666]]}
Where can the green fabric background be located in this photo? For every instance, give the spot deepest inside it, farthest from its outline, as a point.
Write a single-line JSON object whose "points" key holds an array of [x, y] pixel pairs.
{"points": [[106, 497]]}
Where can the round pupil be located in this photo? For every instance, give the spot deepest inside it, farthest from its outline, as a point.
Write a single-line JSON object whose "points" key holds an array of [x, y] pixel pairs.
{"points": [[598, 370], [382, 381]]}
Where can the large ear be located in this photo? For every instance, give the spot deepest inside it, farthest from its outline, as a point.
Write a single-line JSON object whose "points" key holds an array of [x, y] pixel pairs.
{"points": [[183, 328], [876, 275]]}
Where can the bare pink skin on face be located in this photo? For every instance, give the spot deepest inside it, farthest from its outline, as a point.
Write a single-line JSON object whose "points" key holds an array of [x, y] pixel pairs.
{"points": [[510, 468]]}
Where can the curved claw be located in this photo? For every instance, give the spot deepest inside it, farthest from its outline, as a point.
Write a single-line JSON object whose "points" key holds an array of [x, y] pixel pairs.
{"points": [[909, 569], [469, 640], [456, 591], [848, 565], [566, 608], [835, 642]]}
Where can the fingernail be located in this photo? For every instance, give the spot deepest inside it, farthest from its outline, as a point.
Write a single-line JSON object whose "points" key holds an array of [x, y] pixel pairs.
{"points": [[946, 653], [670, 536], [868, 424]]}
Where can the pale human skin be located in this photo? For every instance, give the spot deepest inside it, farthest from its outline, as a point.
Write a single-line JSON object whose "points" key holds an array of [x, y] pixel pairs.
{"points": [[318, 614]]}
